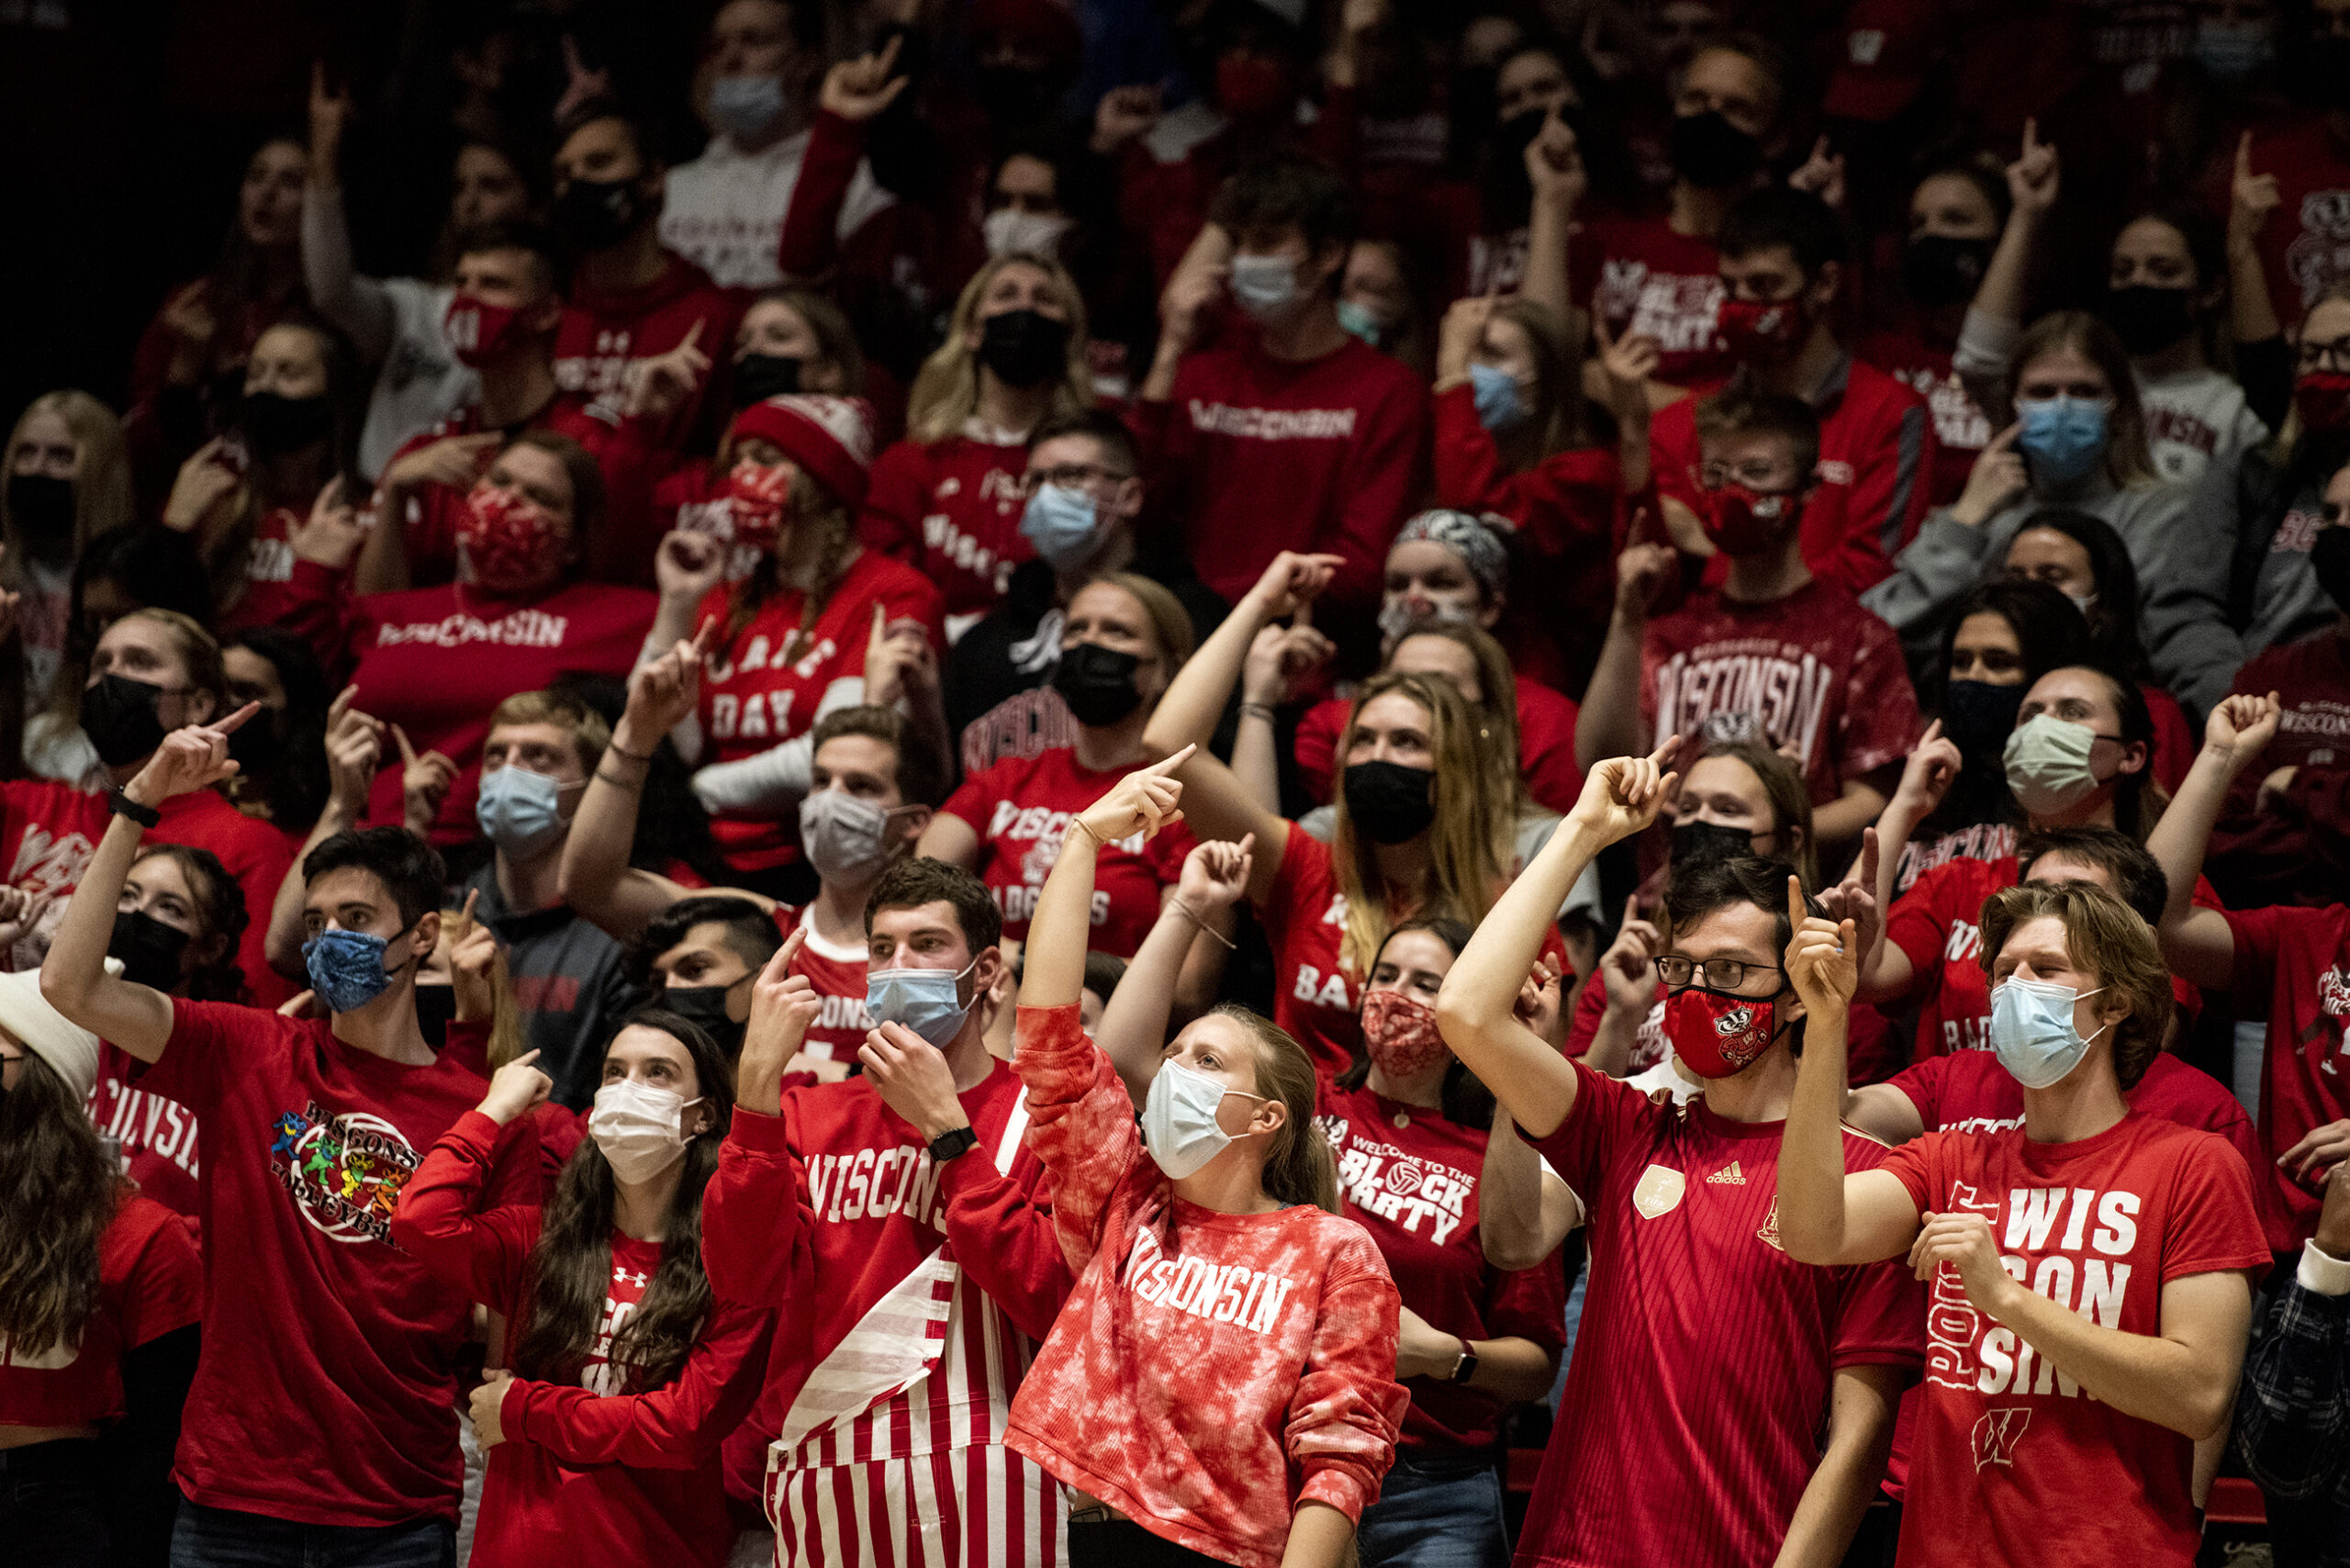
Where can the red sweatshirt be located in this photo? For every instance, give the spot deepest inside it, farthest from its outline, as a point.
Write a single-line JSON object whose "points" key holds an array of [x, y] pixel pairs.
{"points": [[437, 661], [1253, 455], [1212, 1371], [430, 520], [1568, 511], [965, 1250], [1875, 479], [951, 509], [637, 1474], [605, 332]]}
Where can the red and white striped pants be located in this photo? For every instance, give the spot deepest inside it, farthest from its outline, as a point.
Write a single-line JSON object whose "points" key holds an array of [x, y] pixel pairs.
{"points": [[980, 1506]]}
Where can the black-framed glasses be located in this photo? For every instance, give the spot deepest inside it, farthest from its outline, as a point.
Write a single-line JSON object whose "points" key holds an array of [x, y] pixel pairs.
{"points": [[1069, 477], [2334, 356], [1713, 974]]}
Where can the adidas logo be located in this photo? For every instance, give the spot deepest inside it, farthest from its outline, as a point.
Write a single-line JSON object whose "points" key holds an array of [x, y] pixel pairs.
{"points": [[1727, 1176]]}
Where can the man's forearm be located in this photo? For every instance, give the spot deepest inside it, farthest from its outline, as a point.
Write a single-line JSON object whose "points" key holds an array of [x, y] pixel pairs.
{"points": [[1860, 1436], [1812, 1150], [1614, 1041], [2144, 1375]]}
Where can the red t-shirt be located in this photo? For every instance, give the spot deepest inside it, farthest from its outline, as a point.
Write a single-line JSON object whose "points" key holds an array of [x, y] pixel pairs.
{"points": [[150, 1284], [1876, 448], [330, 1356], [1317, 1000], [1661, 284], [1546, 745], [951, 510], [2292, 966], [1022, 809], [157, 1135], [256, 854], [1697, 1322], [1253, 455], [1937, 926], [1409, 1177], [752, 701], [1812, 673], [1211, 1371], [2306, 246], [838, 975], [2014, 1460], [1961, 430]]}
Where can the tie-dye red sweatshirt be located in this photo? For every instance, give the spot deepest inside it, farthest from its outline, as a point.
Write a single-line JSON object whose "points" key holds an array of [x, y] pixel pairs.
{"points": [[1211, 1371]]}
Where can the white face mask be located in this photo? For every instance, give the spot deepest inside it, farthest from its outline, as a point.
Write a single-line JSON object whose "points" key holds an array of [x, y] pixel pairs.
{"points": [[1179, 1125], [1008, 232], [2048, 764], [1265, 286], [640, 1129]]}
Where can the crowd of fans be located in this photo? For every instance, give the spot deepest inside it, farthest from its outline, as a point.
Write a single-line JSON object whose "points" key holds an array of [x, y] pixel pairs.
{"points": [[1015, 782]]}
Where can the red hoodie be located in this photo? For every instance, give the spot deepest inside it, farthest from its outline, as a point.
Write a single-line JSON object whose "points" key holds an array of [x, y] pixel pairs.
{"points": [[636, 1473], [604, 332], [1212, 1371]]}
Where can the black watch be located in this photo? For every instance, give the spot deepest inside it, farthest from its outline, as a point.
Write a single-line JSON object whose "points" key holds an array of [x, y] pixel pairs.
{"points": [[124, 806], [948, 1145], [1466, 1367]]}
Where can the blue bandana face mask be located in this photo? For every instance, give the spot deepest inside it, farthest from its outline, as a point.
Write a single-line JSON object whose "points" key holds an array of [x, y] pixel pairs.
{"points": [[347, 967], [2062, 437], [924, 1000], [1060, 522], [2032, 1030], [1498, 403]]}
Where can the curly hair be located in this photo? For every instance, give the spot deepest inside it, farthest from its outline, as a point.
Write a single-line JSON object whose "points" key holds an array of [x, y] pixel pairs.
{"points": [[59, 1189]]}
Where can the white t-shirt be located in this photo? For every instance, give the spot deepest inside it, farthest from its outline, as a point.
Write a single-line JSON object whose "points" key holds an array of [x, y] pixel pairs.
{"points": [[725, 211]]}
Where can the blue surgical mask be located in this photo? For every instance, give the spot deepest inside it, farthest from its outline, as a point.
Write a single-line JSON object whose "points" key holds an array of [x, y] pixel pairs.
{"points": [[519, 811], [745, 105], [2062, 437], [1062, 522], [1265, 286], [925, 1001], [2230, 52], [1359, 322], [1498, 403], [347, 967], [2032, 1030], [1179, 1125]]}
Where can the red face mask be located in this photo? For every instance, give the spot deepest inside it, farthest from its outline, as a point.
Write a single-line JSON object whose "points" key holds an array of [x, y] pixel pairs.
{"points": [[1752, 331], [480, 333], [510, 541], [1250, 86], [1745, 523], [1717, 1035], [1400, 1035], [2323, 399], [757, 497]]}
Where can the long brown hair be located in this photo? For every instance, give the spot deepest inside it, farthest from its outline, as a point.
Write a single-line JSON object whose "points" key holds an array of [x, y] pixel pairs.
{"points": [[822, 539], [571, 1267], [1467, 843], [59, 1189], [1299, 1168]]}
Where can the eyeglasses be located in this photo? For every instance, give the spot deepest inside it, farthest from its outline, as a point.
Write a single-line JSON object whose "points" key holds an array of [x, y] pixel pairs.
{"points": [[1713, 974], [1069, 477], [2334, 356]]}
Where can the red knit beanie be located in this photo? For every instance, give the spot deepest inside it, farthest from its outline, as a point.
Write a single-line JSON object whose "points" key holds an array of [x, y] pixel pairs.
{"points": [[832, 438]]}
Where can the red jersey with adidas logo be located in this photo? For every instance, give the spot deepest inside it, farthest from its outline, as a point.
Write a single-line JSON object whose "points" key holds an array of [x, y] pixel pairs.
{"points": [[1697, 1321]]}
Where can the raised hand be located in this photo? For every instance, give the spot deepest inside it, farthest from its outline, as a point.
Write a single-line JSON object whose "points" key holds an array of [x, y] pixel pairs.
{"points": [[2251, 198], [659, 385], [455, 461], [20, 914], [354, 753], [329, 117], [1822, 174], [897, 660], [858, 89], [1290, 582], [1926, 778], [783, 1007], [191, 757], [1629, 364], [1823, 958], [1628, 970], [1464, 329], [1142, 802], [1623, 794], [1190, 295], [1644, 575], [1541, 1004], [332, 533], [2241, 727], [2033, 178], [1215, 874], [688, 566], [424, 783], [1854, 899], [193, 327], [1997, 478], [1123, 114], [473, 965], [1279, 654], [515, 1089], [1554, 164], [663, 693], [204, 483]]}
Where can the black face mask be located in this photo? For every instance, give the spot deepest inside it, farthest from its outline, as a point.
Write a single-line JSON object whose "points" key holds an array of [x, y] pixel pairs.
{"points": [[1024, 347], [150, 950], [760, 377], [1097, 683], [1388, 802], [1711, 153], [1939, 269], [259, 742], [596, 215], [41, 505], [1978, 716], [275, 424], [2148, 320], [118, 716], [1703, 844], [436, 1009], [2330, 559], [705, 1005], [1013, 96]]}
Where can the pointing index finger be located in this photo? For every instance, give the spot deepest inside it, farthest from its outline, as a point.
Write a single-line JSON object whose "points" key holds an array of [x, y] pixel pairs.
{"points": [[1171, 761], [234, 722], [1796, 913], [407, 751]]}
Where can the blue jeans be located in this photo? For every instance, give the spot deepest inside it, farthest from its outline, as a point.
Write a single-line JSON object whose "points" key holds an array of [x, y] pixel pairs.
{"points": [[223, 1538], [51, 1509], [1440, 1515]]}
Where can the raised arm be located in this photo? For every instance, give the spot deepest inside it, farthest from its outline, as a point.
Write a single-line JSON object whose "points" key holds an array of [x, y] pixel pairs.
{"points": [[782, 1007], [357, 305], [1554, 169], [2252, 199], [1193, 702], [1477, 1009], [1132, 1029], [1609, 722], [1060, 930], [1826, 1215], [2197, 943], [440, 1220], [2034, 180], [1885, 969], [74, 977]]}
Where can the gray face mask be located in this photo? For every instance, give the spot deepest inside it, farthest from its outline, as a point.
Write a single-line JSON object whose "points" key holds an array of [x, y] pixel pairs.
{"points": [[1265, 286], [846, 839], [2048, 764]]}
